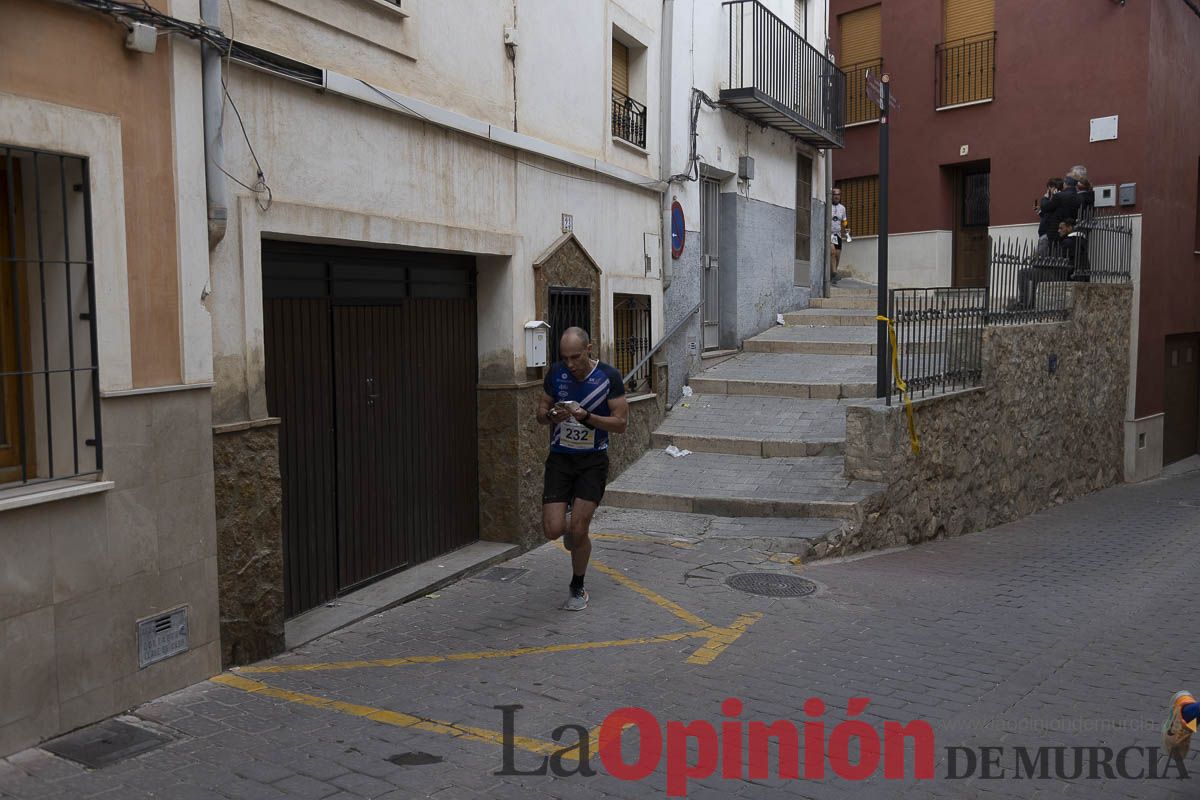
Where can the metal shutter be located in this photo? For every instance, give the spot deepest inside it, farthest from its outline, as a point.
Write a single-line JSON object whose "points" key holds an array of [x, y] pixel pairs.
{"points": [[966, 18], [860, 36], [620, 68]]}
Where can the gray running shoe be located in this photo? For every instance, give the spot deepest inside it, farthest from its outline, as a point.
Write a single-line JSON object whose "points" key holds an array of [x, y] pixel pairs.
{"points": [[568, 541], [576, 602]]}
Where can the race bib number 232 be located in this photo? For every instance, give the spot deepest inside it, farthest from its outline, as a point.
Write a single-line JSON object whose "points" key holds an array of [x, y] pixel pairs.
{"points": [[577, 436]]}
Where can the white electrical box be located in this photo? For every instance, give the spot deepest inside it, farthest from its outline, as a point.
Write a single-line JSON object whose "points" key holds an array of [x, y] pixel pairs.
{"points": [[142, 38], [537, 335], [1106, 195]]}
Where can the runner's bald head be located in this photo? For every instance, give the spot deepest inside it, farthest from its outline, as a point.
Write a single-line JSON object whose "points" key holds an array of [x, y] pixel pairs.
{"points": [[578, 335]]}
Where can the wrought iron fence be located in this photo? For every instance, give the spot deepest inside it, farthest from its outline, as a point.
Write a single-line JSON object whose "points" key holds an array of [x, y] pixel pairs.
{"points": [[631, 339], [939, 335], [965, 70], [766, 54], [860, 107], [1108, 253], [1025, 285], [939, 331], [628, 119]]}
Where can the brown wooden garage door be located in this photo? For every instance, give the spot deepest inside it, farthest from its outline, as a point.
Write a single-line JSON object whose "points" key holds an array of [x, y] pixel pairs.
{"points": [[371, 368]]}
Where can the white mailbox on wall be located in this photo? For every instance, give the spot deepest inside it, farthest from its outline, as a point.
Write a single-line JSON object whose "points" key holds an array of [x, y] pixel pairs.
{"points": [[537, 333]]}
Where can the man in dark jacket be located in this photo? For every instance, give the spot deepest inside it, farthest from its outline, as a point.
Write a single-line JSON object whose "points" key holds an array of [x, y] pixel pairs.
{"points": [[1061, 206]]}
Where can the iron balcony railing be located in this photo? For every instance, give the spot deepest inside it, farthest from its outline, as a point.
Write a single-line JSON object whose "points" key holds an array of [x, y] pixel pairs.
{"points": [[779, 79], [860, 107], [965, 70], [628, 119]]}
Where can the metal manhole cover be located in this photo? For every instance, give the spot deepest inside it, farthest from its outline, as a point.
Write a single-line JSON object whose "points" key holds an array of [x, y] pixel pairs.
{"points": [[502, 574], [105, 743], [771, 584]]}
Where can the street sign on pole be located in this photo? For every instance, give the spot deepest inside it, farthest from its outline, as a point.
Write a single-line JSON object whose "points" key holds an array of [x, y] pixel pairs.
{"points": [[874, 90], [883, 362]]}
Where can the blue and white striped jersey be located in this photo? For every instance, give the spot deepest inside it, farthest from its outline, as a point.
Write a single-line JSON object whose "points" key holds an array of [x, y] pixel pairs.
{"points": [[593, 393]]}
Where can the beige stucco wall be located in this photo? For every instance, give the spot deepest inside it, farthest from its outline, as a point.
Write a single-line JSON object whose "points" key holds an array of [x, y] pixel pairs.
{"points": [[81, 562]]}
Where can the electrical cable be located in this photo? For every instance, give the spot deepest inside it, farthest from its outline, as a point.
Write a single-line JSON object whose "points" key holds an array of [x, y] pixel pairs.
{"points": [[415, 113]]}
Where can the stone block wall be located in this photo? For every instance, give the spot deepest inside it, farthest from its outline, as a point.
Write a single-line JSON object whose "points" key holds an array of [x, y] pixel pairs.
{"points": [[1045, 426], [249, 502]]}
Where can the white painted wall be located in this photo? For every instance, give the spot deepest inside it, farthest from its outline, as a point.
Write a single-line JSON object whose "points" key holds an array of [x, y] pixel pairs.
{"points": [[915, 260], [701, 60], [350, 172]]}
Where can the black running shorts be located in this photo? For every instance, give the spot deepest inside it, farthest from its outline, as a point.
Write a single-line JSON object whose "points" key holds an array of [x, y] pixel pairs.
{"points": [[571, 475]]}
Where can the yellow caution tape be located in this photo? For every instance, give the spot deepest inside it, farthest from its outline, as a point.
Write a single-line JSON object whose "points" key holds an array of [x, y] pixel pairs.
{"points": [[902, 386]]}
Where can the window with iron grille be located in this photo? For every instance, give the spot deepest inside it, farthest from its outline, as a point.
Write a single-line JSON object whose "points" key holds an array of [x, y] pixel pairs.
{"points": [[568, 308], [631, 339], [49, 379], [860, 196]]}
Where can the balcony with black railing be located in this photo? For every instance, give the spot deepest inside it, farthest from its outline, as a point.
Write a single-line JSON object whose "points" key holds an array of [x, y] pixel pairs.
{"points": [[628, 119], [860, 107], [779, 79], [965, 71]]}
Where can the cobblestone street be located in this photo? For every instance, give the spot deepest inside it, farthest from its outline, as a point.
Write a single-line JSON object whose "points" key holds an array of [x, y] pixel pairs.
{"points": [[1071, 628]]}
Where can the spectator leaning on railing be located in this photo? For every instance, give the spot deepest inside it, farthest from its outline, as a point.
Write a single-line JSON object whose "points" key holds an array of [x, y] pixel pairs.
{"points": [[1072, 245]]}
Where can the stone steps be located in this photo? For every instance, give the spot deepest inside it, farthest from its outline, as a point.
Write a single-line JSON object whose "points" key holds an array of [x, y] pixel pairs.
{"points": [[820, 377], [844, 301], [725, 485], [825, 340], [848, 287], [831, 316], [767, 427]]}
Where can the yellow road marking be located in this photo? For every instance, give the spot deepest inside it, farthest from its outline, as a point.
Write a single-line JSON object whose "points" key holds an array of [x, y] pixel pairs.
{"points": [[720, 638], [653, 597], [476, 655], [395, 718], [634, 537]]}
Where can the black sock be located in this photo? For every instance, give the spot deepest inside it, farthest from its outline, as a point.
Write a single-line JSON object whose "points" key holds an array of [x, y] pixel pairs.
{"points": [[577, 583]]}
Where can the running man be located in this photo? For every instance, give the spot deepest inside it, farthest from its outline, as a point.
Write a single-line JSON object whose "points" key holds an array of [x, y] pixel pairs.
{"points": [[584, 400]]}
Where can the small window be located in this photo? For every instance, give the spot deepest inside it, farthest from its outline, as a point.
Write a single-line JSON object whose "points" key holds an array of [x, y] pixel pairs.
{"points": [[803, 208], [860, 196], [569, 307], [49, 380]]}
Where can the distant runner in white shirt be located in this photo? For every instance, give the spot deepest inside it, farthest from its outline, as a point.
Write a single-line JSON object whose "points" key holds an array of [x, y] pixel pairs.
{"points": [[838, 231]]}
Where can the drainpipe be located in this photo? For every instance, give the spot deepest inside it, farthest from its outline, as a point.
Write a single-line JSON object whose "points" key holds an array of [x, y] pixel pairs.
{"points": [[214, 149], [828, 222], [666, 48]]}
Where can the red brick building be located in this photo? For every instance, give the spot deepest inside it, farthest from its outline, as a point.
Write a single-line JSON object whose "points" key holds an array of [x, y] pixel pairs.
{"points": [[995, 98]]}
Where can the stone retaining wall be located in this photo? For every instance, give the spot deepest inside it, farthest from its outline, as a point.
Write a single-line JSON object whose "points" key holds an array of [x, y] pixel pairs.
{"points": [[249, 501], [1045, 427]]}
